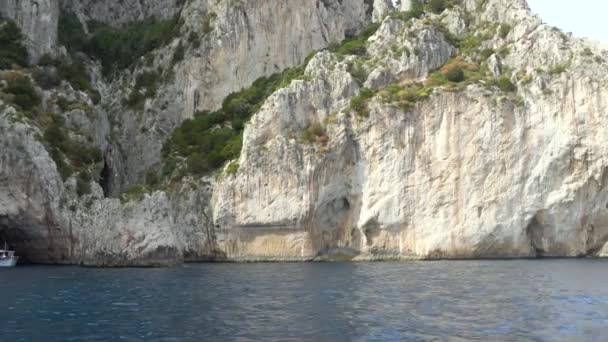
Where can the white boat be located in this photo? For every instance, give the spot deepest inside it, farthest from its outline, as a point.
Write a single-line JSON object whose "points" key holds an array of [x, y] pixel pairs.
{"points": [[7, 258]]}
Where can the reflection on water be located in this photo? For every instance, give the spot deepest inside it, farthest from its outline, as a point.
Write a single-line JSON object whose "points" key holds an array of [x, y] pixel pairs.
{"points": [[540, 300]]}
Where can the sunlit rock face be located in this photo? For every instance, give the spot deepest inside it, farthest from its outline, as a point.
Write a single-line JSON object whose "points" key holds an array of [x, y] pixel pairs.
{"points": [[240, 42], [509, 163], [463, 174]]}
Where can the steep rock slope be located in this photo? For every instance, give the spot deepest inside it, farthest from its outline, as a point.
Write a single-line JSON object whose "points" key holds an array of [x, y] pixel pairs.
{"points": [[460, 131], [76, 151], [237, 43], [38, 22], [512, 166], [109, 12]]}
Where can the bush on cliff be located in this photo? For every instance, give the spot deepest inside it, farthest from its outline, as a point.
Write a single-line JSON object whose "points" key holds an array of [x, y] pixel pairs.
{"points": [[24, 94], [12, 51], [210, 139], [62, 146], [117, 49]]}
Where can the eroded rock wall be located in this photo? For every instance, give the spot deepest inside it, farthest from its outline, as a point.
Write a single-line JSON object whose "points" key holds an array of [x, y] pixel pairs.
{"points": [[38, 21], [463, 174], [240, 43]]}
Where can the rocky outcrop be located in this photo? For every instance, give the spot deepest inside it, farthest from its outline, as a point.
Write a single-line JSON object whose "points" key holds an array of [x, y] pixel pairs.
{"points": [[45, 219], [162, 228], [470, 173], [382, 8], [382, 155], [109, 12], [239, 44], [405, 5], [38, 21], [31, 192]]}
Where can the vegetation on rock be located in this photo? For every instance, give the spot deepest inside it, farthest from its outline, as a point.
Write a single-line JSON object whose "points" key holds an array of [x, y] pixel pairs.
{"points": [[117, 49], [206, 142], [12, 50], [210, 139], [24, 94]]}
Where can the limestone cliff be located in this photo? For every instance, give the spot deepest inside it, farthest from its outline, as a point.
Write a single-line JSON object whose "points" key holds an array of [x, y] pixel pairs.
{"points": [[435, 171], [38, 22], [117, 14], [460, 130], [239, 43], [236, 43]]}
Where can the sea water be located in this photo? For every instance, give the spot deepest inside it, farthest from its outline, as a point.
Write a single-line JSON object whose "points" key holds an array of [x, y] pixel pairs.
{"points": [[520, 300]]}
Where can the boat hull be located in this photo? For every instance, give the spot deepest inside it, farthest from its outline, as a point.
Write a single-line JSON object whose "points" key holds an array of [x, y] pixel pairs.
{"points": [[8, 261]]}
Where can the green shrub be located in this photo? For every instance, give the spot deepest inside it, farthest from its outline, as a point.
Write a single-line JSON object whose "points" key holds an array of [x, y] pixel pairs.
{"points": [[359, 103], [470, 43], [480, 4], [136, 100], [416, 11], [118, 49], [46, 60], [46, 78], [504, 30], [358, 71], [505, 84], [25, 95], [70, 32], [558, 69], [232, 168], [312, 132], [61, 146], [76, 74], [208, 20], [178, 54], [146, 79], [355, 45], [587, 52], [152, 179], [194, 40], [146, 85], [12, 50], [487, 53], [455, 75], [437, 6], [63, 103], [83, 183], [135, 192], [448, 35], [504, 51]]}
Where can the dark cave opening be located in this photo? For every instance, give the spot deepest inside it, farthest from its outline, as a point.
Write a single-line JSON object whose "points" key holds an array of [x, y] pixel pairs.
{"points": [[15, 238], [105, 179]]}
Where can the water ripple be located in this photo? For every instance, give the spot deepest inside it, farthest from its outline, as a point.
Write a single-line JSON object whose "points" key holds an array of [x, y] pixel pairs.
{"points": [[525, 300]]}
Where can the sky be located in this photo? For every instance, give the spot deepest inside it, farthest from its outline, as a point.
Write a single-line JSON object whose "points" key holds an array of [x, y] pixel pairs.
{"points": [[584, 18]]}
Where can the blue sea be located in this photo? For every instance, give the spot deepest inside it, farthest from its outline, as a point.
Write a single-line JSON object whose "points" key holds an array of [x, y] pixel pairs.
{"points": [[518, 300]]}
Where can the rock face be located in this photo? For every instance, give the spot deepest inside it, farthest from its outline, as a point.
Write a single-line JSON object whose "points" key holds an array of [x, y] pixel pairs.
{"points": [[44, 219], [160, 229], [109, 12], [406, 5], [49, 222], [38, 22], [240, 44], [378, 155], [472, 173], [30, 193]]}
